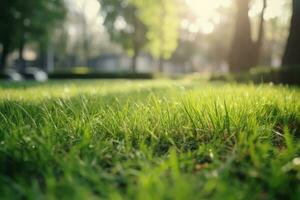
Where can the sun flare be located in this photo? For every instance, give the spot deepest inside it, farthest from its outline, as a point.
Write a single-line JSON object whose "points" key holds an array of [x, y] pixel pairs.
{"points": [[207, 13]]}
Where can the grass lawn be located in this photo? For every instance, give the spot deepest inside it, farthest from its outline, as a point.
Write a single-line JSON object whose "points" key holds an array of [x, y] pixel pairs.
{"points": [[160, 139]]}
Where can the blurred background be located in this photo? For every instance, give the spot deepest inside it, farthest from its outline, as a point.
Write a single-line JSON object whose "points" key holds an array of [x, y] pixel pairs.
{"points": [[41, 37]]}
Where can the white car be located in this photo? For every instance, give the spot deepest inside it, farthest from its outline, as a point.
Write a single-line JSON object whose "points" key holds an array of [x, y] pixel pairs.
{"points": [[30, 73], [36, 74]]}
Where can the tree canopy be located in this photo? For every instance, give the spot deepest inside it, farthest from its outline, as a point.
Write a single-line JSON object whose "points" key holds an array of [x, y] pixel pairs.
{"points": [[162, 19], [31, 20], [149, 25]]}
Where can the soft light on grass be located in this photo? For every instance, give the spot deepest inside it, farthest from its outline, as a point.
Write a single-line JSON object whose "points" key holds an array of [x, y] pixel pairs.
{"points": [[149, 140]]}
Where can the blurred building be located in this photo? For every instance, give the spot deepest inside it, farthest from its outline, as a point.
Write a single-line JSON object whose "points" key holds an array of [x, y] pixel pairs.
{"points": [[111, 63]]}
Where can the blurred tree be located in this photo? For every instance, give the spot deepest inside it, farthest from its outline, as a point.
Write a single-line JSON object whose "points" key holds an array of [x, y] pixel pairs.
{"points": [[82, 37], [257, 45], [85, 24], [292, 52], [245, 52], [150, 25], [60, 42], [162, 20], [25, 21], [184, 54], [125, 26], [8, 18]]}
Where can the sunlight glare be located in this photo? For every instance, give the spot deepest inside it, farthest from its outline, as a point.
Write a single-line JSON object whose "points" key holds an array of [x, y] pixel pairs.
{"points": [[206, 13]]}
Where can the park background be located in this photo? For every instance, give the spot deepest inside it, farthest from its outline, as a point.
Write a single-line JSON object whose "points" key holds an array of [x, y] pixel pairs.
{"points": [[171, 37]]}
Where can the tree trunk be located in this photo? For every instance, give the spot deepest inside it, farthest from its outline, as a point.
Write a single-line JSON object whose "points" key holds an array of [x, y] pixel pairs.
{"points": [[162, 39], [22, 63], [259, 42], [86, 42], [161, 63], [50, 58], [292, 52], [134, 61], [240, 56], [42, 61], [4, 55]]}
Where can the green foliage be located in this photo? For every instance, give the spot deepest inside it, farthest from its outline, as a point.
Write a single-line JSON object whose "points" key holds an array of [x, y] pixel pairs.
{"points": [[283, 75], [30, 20], [148, 140], [151, 25], [162, 19], [123, 24], [95, 75]]}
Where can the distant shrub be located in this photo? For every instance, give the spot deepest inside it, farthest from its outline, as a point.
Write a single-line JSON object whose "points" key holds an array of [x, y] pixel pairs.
{"points": [[81, 70], [101, 76], [284, 75], [290, 75], [4, 76]]}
